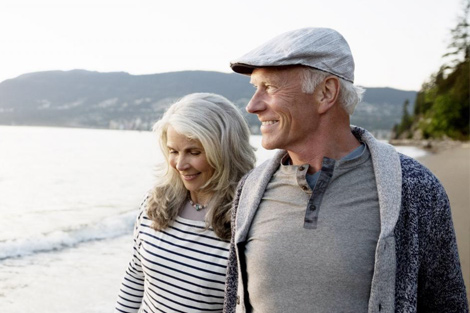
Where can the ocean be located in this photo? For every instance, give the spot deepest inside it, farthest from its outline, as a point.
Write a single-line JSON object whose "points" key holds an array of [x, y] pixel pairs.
{"points": [[68, 200]]}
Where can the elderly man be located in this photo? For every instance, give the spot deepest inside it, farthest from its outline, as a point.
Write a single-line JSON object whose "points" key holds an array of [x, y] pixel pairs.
{"points": [[336, 221]]}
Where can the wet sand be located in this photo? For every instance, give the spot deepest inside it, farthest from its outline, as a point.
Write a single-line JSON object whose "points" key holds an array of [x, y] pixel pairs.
{"points": [[84, 279], [452, 167]]}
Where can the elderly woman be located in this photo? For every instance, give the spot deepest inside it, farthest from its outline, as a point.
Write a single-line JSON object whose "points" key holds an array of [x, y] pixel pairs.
{"points": [[182, 232]]}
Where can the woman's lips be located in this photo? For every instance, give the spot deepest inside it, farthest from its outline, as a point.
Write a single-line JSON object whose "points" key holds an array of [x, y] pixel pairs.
{"points": [[189, 177]]}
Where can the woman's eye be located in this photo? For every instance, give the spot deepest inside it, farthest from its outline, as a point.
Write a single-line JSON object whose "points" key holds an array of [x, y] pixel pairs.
{"points": [[196, 153]]}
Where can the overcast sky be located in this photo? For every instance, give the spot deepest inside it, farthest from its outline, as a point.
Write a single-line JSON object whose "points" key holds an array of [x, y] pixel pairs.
{"points": [[396, 43]]}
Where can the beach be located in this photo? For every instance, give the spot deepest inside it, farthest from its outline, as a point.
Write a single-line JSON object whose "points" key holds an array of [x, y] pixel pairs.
{"points": [[452, 168], [81, 279], [65, 246]]}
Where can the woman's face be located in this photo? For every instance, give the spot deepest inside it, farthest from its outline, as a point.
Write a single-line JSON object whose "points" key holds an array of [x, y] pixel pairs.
{"points": [[188, 157]]}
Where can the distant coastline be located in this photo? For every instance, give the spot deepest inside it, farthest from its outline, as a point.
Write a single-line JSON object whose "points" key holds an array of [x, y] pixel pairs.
{"points": [[430, 145], [84, 99]]}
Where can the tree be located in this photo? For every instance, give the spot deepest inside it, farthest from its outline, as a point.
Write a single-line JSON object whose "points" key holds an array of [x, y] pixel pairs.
{"points": [[403, 129], [442, 106], [459, 46]]}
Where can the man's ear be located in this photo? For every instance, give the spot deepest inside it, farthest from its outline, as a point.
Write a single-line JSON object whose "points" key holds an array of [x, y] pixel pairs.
{"points": [[329, 93]]}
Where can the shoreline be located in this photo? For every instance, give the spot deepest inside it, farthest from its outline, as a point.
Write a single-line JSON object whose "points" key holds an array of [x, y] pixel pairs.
{"points": [[450, 162], [431, 145], [58, 281]]}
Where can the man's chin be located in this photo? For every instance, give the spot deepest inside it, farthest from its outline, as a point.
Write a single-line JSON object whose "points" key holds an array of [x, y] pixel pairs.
{"points": [[268, 145]]}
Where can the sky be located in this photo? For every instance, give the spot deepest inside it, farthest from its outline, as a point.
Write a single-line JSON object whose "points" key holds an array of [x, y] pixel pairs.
{"points": [[396, 43]]}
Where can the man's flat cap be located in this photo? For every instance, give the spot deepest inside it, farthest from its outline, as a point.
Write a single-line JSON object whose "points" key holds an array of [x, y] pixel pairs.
{"points": [[321, 48]]}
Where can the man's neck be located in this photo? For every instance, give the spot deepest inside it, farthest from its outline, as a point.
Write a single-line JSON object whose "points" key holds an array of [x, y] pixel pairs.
{"points": [[333, 147]]}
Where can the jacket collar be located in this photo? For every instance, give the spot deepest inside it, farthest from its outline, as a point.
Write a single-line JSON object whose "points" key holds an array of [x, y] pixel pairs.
{"points": [[250, 198]]}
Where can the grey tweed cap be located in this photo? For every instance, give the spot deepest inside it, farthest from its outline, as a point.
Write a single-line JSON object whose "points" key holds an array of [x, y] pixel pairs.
{"points": [[321, 48]]}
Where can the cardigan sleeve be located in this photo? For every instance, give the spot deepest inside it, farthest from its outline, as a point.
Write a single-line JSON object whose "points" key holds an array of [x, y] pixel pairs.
{"points": [[132, 285], [429, 276], [440, 276]]}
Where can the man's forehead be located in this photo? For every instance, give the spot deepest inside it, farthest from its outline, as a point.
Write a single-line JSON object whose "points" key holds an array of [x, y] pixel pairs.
{"points": [[272, 74], [266, 74]]}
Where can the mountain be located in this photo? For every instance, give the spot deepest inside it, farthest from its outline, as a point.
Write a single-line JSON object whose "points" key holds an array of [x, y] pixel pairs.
{"points": [[82, 98], [381, 109]]}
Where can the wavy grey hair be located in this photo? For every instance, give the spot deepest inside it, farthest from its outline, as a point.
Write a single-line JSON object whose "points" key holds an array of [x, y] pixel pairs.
{"points": [[349, 94], [219, 126]]}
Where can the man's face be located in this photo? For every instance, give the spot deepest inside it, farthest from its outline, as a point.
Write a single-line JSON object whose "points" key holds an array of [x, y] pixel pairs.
{"points": [[288, 116]]}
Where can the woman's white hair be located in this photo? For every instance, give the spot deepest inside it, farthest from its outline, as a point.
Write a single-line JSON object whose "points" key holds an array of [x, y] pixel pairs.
{"points": [[219, 126], [349, 94]]}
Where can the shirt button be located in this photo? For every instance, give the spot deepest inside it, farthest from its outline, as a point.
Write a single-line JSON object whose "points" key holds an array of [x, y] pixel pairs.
{"points": [[301, 168], [313, 207], [238, 299], [304, 188]]}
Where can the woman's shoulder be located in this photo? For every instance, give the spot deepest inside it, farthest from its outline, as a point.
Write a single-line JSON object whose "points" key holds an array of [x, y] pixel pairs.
{"points": [[143, 208]]}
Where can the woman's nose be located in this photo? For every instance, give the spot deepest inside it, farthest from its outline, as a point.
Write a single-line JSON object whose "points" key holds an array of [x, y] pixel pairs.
{"points": [[182, 164]]}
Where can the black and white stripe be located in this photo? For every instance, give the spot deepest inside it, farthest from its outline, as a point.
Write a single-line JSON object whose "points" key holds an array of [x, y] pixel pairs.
{"points": [[179, 269]]}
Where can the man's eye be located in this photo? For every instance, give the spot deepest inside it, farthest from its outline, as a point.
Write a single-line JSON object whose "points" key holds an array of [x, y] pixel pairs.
{"points": [[270, 88]]}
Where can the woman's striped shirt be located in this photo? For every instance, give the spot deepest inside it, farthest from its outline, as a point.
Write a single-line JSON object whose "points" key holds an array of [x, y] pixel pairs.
{"points": [[179, 269]]}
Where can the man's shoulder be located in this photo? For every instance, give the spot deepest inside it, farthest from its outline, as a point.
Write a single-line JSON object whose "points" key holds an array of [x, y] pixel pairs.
{"points": [[413, 169], [265, 169], [417, 179], [252, 174]]}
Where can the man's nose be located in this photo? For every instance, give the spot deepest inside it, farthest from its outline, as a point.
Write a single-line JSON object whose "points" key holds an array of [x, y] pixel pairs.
{"points": [[256, 104]]}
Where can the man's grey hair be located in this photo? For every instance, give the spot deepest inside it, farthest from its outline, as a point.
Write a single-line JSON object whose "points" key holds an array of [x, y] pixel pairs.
{"points": [[349, 94]]}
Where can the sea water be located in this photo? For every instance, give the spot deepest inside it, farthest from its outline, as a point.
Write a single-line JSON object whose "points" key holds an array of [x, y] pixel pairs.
{"points": [[68, 201]]}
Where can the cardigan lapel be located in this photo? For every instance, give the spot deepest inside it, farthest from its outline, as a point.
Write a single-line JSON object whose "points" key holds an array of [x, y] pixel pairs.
{"points": [[388, 177], [250, 198], [387, 170]]}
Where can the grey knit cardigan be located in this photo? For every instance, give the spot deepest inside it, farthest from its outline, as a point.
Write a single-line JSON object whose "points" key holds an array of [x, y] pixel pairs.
{"points": [[417, 266]]}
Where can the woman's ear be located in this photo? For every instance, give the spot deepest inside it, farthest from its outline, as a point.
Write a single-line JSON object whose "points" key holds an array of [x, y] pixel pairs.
{"points": [[329, 93]]}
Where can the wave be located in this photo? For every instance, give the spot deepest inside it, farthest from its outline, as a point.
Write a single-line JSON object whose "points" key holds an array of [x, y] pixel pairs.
{"points": [[105, 229]]}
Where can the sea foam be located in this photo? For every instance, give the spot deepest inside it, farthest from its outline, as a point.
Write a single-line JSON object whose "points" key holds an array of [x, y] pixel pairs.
{"points": [[107, 228]]}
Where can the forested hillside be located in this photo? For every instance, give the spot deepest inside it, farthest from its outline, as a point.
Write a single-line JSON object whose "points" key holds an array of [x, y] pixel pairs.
{"points": [[442, 106]]}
